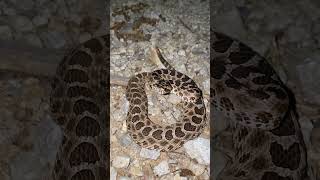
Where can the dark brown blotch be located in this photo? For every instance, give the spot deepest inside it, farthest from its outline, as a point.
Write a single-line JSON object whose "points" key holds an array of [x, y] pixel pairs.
{"points": [[82, 105], [286, 127], [286, 158], [257, 139], [274, 176], [139, 125], [76, 91], [259, 94], [157, 134], [199, 111], [87, 126], [136, 110], [163, 143], [243, 55], [196, 119], [137, 101], [179, 75], [179, 133], [83, 174], [232, 83], [168, 135], [240, 72], [80, 58], [280, 93], [151, 140], [76, 75], [218, 69], [170, 147], [226, 103], [61, 120], [259, 163], [94, 45], [135, 118], [261, 80], [84, 153], [222, 43], [264, 117], [177, 82], [185, 78], [146, 131], [189, 127]]}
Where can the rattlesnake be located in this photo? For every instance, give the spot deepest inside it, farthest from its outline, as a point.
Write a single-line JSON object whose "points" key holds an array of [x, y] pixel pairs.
{"points": [[266, 137], [266, 131], [78, 103], [169, 137]]}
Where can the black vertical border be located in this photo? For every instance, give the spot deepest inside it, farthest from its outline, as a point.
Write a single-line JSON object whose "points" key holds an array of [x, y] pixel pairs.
{"points": [[107, 90]]}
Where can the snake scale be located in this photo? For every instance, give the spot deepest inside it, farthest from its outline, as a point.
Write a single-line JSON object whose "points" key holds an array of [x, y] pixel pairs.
{"points": [[266, 134]]}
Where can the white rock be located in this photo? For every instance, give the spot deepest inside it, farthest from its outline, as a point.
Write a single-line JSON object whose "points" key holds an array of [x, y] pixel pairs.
{"points": [[5, 32], [308, 71], [113, 173], [53, 39], [121, 161], [124, 178], [178, 177], [297, 34], [40, 20], [9, 11], [21, 23], [162, 168], [136, 171], [125, 140], [33, 39], [196, 168], [84, 37], [181, 52], [149, 154], [199, 149], [174, 99], [23, 5]]}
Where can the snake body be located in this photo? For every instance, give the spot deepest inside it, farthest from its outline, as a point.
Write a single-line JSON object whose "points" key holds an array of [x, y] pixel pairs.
{"points": [[266, 132], [79, 106]]}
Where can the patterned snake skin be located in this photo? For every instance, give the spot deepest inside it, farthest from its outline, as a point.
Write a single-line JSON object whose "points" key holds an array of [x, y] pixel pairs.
{"points": [[170, 137], [79, 106], [266, 133]]}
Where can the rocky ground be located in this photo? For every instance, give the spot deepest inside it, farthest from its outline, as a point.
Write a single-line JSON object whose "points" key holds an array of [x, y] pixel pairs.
{"points": [[182, 35], [286, 32]]}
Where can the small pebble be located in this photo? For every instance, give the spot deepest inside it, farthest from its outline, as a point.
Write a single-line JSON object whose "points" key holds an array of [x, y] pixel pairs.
{"points": [[162, 168], [149, 154], [121, 161], [113, 173], [199, 149]]}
